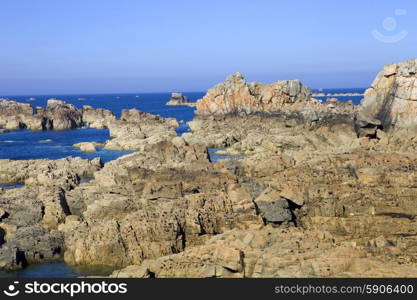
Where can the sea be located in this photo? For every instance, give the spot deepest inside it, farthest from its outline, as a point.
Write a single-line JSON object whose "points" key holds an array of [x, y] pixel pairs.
{"points": [[25, 144]]}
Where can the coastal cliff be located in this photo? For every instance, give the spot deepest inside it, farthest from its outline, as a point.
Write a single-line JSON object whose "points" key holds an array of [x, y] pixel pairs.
{"points": [[392, 98]]}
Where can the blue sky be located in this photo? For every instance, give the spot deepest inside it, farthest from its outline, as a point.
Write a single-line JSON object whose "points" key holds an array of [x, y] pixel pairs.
{"points": [[89, 46]]}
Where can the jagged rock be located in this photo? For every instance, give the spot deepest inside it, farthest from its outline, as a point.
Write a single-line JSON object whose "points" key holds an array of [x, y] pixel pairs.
{"points": [[136, 129], [58, 115], [273, 208], [63, 115], [256, 134], [235, 95], [66, 171], [30, 215], [270, 253], [11, 258], [392, 98], [36, 244], [317, 191], [97, 118], [153, 203]]}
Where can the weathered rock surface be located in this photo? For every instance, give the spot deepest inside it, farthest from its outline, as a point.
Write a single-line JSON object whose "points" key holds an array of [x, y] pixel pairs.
{"points": [[62, 115], [136, 129], [57, 115], [47, 172], [151, 204], [319, 191], [30, 215], [98, 118], [269, 252], [235, 95], [392, 98], [282, 133]]}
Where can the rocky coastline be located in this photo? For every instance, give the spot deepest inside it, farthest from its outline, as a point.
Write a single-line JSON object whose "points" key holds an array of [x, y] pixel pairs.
{"points": [[322, 189]]}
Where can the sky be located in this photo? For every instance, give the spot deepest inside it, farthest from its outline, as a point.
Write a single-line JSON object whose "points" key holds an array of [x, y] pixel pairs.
{"points": [[128, 46]]}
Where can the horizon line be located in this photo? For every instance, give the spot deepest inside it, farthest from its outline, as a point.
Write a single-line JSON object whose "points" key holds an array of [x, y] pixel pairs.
{"points": [[138, 93]]}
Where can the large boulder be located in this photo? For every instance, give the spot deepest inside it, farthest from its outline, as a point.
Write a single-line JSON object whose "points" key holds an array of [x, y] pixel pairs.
{"points": [[98, 118], [135, 129], [57, 115], [392, 98], [13, 114], [63, 115]]}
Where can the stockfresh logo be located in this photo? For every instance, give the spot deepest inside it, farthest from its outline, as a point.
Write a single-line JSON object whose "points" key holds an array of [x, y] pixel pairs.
{"points": [[12, 290], [389, 35], [72, 289]]}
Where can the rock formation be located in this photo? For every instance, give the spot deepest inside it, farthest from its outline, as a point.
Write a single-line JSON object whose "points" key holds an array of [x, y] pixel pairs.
{"points": [[179, 99], [152, 204], [98, 118], [320, 190], [62, 115], [269, 252], [392, 99], [57, 115], [30, 215], [136, 129], [235, 95]]}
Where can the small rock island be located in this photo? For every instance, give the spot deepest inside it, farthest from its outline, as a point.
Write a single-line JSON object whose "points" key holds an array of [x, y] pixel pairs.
{"points": [[179, 99]]}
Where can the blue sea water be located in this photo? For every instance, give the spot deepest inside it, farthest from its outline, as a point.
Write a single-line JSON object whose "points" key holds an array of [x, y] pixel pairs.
{"points": [[25, 144], [55, 270], [148, 102]]}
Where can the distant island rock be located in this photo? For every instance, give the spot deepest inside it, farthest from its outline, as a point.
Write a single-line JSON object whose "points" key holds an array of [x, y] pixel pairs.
{"points": [[321, 94], [179, 99]]}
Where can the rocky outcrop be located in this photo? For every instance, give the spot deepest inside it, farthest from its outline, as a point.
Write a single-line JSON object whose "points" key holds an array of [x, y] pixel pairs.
{"points": [[62, 115], [269, 252], [235, 95], [14, 115], [57, 115], [392, 99], [30, 215], [98, 118], [248, 135], [179, 99], [136, 129], [152, 204], [45, 171], [319, 190]]}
